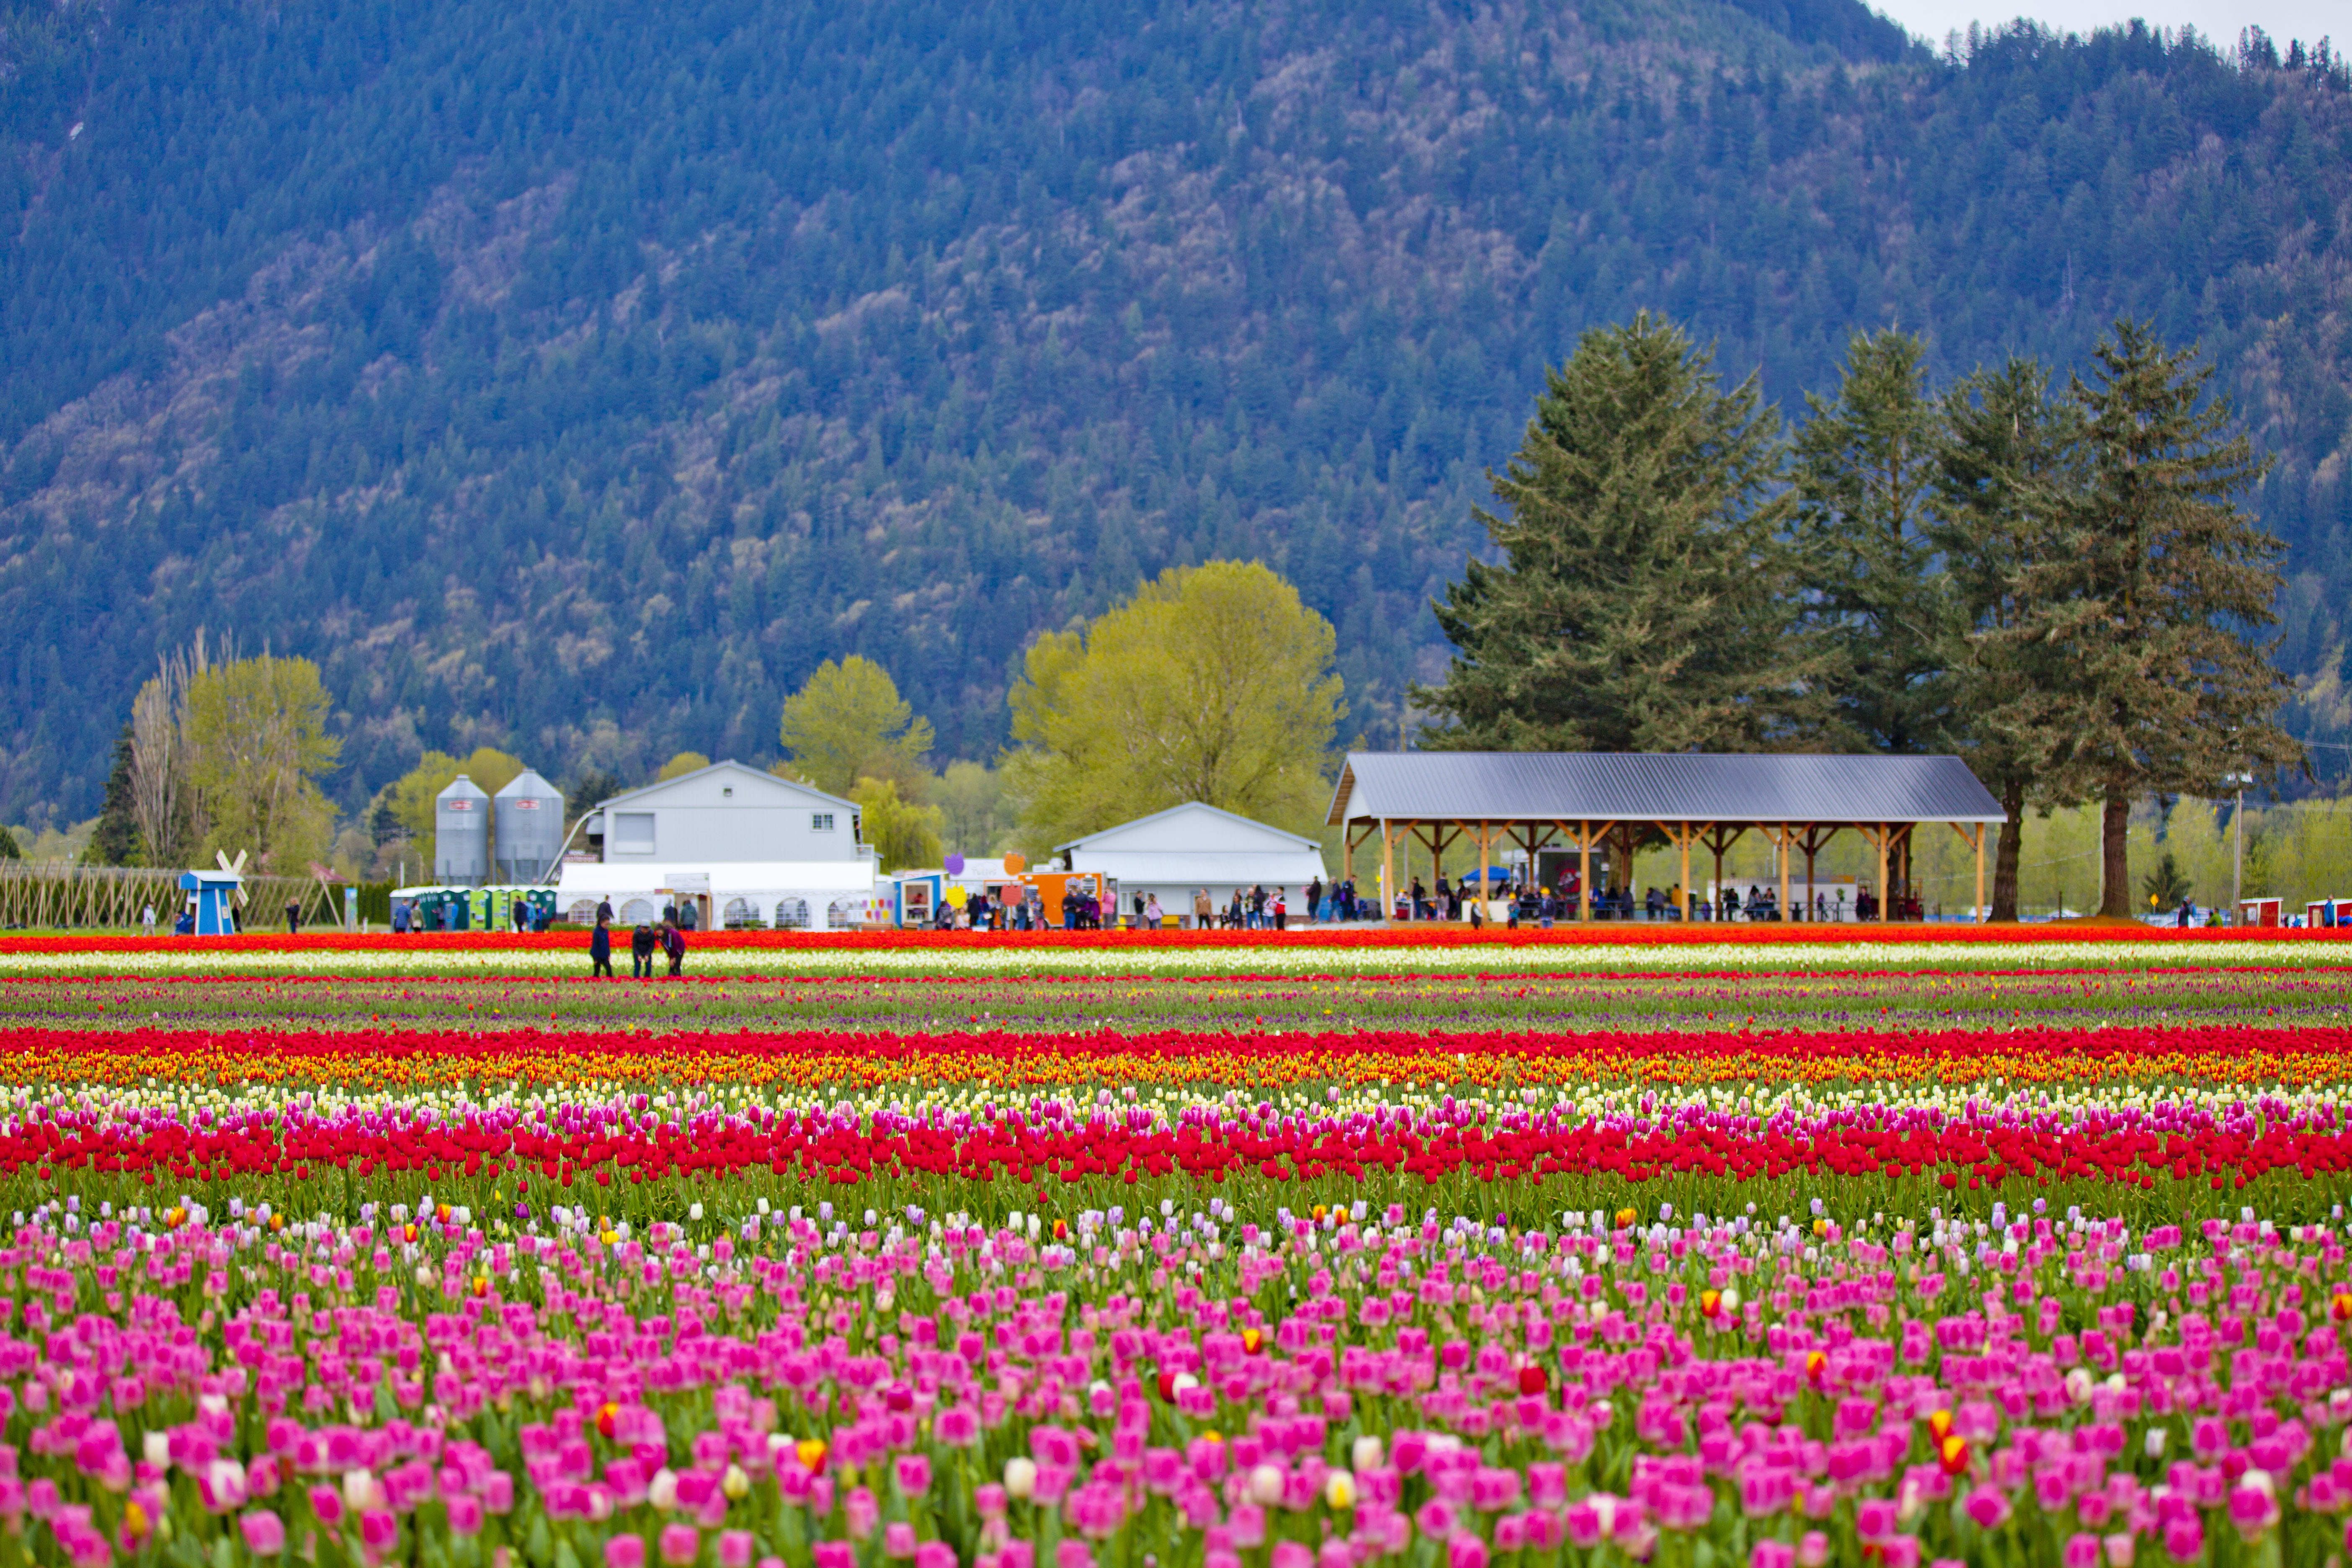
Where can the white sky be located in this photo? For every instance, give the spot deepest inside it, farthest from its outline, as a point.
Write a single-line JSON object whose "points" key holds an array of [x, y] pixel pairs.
{"points": [[2219, 20]]}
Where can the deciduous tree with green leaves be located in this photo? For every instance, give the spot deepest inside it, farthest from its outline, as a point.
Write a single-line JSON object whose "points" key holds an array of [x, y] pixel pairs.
{"points": [[848, 722], [905, 833], [1643, 598], [1213, 683], [257, 745]]}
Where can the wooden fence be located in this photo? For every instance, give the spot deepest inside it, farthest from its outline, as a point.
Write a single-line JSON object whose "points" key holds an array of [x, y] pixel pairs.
{"points": [[46, 895]]}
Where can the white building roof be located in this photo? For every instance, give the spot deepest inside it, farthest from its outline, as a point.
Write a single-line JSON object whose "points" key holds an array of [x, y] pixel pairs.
{"points": [[698, 788], [1197, 846]]}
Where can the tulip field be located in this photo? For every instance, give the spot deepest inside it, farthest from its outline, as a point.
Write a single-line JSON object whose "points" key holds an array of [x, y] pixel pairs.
{"points": [[1887, 1247]]}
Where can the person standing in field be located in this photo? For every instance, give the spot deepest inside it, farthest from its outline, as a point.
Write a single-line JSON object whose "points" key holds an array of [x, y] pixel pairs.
{"points": [[600, 951], [641, 953], [673, 943]]}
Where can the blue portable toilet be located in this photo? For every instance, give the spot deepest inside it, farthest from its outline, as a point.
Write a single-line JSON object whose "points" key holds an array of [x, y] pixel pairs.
{"points": [[213, 896]]}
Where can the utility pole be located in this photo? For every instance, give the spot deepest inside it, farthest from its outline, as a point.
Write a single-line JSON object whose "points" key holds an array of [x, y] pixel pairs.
{"points": [[2237, 844]]}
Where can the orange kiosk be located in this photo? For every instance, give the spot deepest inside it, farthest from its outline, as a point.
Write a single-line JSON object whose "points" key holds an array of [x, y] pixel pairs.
{"points": [[1051, 885]]}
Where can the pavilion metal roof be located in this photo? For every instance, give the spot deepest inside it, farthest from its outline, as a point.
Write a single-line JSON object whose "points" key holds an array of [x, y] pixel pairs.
{"points": [[1639, 786]]}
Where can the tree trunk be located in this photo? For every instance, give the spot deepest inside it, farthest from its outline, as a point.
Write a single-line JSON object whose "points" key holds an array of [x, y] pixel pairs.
{"points": [[2115, 869], [2005, 855]]}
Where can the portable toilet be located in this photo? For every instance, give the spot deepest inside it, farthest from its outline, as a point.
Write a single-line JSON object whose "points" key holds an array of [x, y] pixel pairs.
{"points": [[212, 895], [444, 909], [2263, 913]]}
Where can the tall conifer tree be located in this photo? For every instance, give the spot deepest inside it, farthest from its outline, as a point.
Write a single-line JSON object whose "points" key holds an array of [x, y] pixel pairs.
{"points": [[2151, 594], [1642, 602], [1865, 468], [2007, 460]]}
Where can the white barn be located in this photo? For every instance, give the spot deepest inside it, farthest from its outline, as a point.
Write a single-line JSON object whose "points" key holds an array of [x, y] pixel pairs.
{"points": [[744, 847], [1174, 852]]}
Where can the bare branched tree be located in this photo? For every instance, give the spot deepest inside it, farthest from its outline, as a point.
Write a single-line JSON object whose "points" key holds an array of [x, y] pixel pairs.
{"points": [[164, 801]]}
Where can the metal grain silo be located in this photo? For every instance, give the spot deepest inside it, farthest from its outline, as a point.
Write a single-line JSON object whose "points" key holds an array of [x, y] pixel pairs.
{"points": [[529, 814], [461, 835]]}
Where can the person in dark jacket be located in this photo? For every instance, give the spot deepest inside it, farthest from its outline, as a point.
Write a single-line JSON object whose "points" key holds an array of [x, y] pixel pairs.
{"points": [[599, 952], [641, 953], [673, 943]]}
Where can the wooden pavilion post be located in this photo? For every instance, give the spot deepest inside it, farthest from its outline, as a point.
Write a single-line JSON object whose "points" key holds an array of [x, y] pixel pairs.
{"points": [[1683, 888], [1483, 857], [1780, 847], [1885, 839], [1984, 915], [1584, 872], [1388, 873]]}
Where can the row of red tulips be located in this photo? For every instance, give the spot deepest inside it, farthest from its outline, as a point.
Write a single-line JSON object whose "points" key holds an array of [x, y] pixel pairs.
{"points": [[974, 1051], [1418, 934]]}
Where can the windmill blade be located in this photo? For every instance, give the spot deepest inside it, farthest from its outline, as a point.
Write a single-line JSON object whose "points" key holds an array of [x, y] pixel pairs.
{"points": [[237, 867], [221, 856]]}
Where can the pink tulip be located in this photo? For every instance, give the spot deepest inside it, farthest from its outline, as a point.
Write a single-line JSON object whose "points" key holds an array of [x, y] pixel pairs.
{"points": [[681, 1544], [626, 1552], [263, 1532], [1987, 1507]]}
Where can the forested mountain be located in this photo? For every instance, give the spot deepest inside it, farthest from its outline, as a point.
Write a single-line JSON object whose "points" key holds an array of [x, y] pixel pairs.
{"points": [[577, 375]]}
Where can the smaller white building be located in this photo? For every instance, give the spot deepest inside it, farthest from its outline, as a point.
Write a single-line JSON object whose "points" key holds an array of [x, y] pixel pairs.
{"points": [[1173, 853]]}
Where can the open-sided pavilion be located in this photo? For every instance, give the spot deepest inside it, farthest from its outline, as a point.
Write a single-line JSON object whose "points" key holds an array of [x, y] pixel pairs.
{"points": [[1585, 801]]}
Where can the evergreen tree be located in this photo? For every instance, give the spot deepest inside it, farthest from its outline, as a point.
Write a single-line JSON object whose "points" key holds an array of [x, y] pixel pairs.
{"points": [[2153, 583], [1866, 467], [1642, 602], [2008, 451], [115, 840]]}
